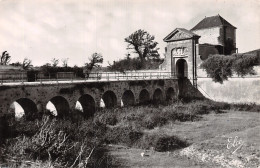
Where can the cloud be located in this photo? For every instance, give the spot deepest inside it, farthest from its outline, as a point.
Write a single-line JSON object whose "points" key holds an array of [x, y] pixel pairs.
{"points": [[43, 29]]}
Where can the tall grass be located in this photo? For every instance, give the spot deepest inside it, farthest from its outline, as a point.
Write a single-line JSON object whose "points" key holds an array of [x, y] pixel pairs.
{"points": [[76, 141]]}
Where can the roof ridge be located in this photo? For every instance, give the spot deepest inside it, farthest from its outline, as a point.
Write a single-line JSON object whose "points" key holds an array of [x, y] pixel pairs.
{"points": [[212, 21]]}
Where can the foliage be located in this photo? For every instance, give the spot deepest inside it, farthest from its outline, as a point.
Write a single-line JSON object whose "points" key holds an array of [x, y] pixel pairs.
{"points": [[129, 64], [143, 44], [94, 62], [54, 62], [5, 58], [26, 64], [48, 142], [221, 67], [48, 69], [243, 64]]}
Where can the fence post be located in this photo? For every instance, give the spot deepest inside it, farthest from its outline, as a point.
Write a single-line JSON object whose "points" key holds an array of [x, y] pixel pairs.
{"points": [[57, 77], [22, 78]]}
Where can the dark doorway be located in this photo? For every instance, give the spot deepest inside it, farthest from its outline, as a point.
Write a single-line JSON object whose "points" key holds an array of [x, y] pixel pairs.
{"points": [[182, 68]]}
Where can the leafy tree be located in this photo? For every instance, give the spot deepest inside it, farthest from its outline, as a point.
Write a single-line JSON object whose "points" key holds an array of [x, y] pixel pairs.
{"points": [[143, 44], [27, 64], [94, 62], [221, 67], [55, 62], [5, 58]]}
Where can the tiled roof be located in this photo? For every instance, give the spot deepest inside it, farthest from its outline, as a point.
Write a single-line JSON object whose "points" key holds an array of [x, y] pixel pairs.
{"points": [[213, 21]]}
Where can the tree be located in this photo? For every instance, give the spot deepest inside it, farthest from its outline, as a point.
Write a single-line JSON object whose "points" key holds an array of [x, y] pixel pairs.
{"points": [[55, 62], [5, 58], [221, 67], [94, 62], [27, 64], [143, 44], [65, 62]]}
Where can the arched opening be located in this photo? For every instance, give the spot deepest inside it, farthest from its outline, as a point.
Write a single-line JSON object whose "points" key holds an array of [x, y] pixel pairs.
{"points": [[109, 99], [144, 97], [86, 104], [182, 68], [128, 98], [170, 95], [24, 107], [158, 96], [58, 106]]}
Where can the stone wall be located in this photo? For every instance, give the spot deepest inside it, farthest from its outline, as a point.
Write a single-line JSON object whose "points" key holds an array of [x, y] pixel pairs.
{"points": [[235, 90], [40, 94], [210, 36]]}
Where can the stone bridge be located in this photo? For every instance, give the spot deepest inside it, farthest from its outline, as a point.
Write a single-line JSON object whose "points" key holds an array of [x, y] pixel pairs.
{"points": [[33, 97], [176, 77]]}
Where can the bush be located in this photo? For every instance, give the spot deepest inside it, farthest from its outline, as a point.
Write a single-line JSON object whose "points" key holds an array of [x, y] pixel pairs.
{"points": [[221, 67], [122, 135], [160, 142], [169, 143], [154, 120]]}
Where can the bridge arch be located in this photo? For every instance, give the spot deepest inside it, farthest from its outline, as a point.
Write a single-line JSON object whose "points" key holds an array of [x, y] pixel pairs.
{"points": [[181, 68], [110, 99], [128, 98], [86, 104], [158, 96], [170, 94], [58, 106], [144, 97], [24, 107]]}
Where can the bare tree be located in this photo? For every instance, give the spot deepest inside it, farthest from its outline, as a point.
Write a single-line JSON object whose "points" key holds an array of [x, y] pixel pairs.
{"points": [[65, 62], [55, 62], [143, 44], [5, 58], [94, 62]]}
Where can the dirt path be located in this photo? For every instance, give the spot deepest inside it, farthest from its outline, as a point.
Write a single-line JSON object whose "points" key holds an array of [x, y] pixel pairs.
{"points": [[209, 137]]}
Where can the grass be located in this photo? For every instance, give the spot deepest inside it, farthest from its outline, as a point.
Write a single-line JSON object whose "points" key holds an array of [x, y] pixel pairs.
{"points": [[71, 141]]}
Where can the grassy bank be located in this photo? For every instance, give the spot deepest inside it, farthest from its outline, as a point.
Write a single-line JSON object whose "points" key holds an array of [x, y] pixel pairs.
{"points": [[71, 142]]}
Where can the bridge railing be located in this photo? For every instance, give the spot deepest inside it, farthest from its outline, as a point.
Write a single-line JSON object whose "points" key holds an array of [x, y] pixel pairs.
{"points": [[70, 76], [129, 75]]}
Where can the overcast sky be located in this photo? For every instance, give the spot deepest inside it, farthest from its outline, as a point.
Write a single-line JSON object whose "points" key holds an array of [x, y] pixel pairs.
{"points": [[43, 29]]}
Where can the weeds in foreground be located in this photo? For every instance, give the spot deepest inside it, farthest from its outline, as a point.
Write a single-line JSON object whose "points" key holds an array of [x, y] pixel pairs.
{"points": [[51, 142]]}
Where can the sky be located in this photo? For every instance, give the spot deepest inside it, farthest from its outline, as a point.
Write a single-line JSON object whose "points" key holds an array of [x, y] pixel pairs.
{"points": [[41, 30]]}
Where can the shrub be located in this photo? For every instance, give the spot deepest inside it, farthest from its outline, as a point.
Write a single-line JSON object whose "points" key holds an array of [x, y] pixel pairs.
{"points": [[122, 135], [154, 120], [108, 118], [169, 143], [160, 142]]}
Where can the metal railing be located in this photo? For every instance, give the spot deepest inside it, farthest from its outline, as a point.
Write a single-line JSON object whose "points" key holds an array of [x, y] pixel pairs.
{"points": [[94, 76], [130, 75]]}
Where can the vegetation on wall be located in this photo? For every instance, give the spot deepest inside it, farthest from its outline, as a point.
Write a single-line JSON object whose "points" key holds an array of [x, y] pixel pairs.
{"points": [[221, 67]]}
